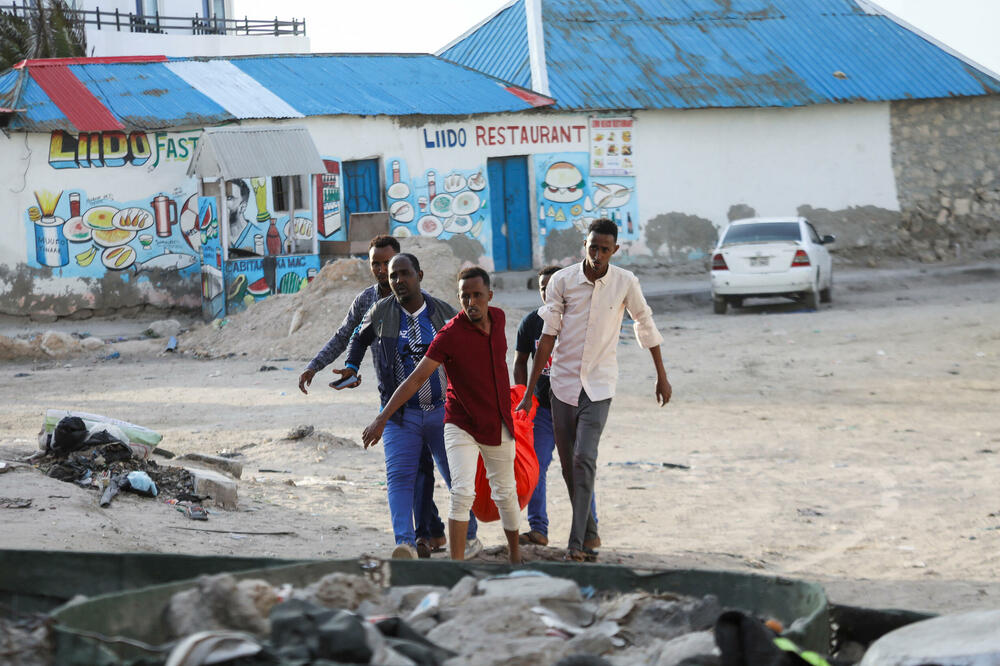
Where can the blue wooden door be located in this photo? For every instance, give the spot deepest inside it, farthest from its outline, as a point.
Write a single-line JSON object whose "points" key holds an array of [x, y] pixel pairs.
{"points": [[511, 215], [362, 193]]}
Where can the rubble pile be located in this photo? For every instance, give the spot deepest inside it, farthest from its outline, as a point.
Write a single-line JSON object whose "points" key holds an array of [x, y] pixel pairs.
{"points": [[526, 617], [298, 325], [25, 639], [92, 468]]}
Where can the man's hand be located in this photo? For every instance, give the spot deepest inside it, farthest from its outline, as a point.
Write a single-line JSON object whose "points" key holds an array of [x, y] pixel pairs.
{"points": [[525, 404], [663, 390], [345, 373], [373, 432], [305, 379]]}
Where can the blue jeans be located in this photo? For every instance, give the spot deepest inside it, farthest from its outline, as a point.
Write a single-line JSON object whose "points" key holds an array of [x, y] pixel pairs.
{"points": [[404, 444], [545, 442], [425, 511]]}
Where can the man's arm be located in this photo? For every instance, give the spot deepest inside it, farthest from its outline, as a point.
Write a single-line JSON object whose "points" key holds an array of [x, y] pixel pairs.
{"points": [[403, 392], [359, 343], [521, 368], [336, 345], [542, 353], [524, 344], [649, 337]]}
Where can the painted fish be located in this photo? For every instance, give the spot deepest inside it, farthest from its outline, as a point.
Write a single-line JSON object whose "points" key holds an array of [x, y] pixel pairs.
{"points": [[168, 261]]}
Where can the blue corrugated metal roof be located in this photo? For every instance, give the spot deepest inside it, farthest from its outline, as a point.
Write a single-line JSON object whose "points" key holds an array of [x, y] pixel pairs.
{"points": [[499, 48], [650, 54], [148, 95]]}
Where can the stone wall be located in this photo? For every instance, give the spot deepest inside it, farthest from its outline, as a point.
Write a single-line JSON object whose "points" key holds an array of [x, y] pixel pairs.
{"points": [[946, 159]]}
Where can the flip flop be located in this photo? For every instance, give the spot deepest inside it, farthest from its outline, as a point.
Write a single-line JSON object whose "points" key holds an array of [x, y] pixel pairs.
{"points": [[533, 537]]}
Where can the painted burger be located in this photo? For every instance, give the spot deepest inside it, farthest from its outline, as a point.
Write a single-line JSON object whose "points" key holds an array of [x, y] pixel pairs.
{"points": [[563, 183]]}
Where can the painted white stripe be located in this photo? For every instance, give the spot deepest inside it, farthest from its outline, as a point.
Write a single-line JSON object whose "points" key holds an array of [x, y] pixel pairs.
{"points": [[536, 46], [232, 89]]}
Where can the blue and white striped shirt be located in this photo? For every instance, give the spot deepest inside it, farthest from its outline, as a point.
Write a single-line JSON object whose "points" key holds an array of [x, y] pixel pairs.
{"points": [[416, 331]]}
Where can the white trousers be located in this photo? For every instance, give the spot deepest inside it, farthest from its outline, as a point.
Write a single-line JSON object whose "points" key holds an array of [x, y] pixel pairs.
{"points": [[463, 457]]}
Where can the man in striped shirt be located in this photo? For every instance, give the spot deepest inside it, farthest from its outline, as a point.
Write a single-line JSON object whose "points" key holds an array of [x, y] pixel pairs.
{"points": [[399, 330]]}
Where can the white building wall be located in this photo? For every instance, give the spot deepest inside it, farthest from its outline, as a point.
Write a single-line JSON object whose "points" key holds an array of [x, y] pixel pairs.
{"points": [[702, 162], [106, 42]]}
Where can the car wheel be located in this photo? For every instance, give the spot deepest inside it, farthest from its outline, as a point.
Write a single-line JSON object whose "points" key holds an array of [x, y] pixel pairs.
{"points": [[719, 305], [826, 295]]}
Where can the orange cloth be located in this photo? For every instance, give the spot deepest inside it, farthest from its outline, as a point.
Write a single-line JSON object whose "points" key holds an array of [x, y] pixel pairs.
{"points": [[525, 463]]}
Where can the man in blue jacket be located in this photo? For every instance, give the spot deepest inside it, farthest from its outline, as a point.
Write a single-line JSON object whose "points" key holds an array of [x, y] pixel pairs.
{"points": [[430, 528], [399, 329]]}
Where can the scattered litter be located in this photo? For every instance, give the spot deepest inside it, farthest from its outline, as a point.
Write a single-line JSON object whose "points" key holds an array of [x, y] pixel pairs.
{"points": [[263, 470], [636, 463], [14, 503], [22, 374], [205, 529], [112, 356], [267, 368], [171, 344]]}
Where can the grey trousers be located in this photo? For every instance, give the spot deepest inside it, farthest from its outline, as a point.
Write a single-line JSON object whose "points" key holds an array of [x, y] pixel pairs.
{"points": [[577, 433]]}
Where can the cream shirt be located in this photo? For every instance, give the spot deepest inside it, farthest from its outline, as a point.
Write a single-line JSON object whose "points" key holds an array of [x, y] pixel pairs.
{"points": [[586, 317]]}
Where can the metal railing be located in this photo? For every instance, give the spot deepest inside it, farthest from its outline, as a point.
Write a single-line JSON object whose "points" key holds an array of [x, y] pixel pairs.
{"points": [[157, 23]]}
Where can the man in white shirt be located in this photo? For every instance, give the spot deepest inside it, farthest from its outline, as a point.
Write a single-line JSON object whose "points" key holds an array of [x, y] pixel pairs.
{"points": [[584, 306]]}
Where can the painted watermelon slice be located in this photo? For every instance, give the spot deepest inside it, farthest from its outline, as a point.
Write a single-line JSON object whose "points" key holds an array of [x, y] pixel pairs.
{"points": [[259, 288]]}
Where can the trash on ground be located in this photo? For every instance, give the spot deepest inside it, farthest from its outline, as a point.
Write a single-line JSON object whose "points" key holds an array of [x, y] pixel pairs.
{"points": [[14, 503]]}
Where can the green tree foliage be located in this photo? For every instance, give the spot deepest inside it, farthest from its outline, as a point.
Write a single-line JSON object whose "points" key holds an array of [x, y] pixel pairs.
{"points": [[49, 29]]}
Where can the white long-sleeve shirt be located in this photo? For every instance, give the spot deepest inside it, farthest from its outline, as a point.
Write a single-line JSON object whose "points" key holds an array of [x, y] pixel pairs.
{"points": [[586, 317]]}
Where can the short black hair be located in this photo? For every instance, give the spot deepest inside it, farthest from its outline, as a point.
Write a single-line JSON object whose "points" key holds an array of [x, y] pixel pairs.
{"points": [[603, 225], [474, 272], [383, 240], [413, 260], [549, 270]]}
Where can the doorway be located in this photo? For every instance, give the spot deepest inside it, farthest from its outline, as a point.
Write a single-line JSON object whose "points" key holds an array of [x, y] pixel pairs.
{"points": [[511, 215], [362, 193]]}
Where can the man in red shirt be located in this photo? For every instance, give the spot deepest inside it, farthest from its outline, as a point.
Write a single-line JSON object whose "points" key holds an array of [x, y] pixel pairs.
{"points": [[477, 415]]}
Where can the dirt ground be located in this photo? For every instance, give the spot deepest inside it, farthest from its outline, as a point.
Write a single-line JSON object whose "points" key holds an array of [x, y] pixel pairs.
{"points": [[857, 446]]}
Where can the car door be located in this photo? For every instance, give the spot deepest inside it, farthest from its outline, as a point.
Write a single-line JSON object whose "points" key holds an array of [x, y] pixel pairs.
{"points": [[822, 255]]}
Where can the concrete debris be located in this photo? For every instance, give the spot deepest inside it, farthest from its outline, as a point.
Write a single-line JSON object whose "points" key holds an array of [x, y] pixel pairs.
{"points": [[164, 328], [91, 343], [58, 344], [340, 590], [227, 465], [217, 603], [960, 639], [221, 488]]}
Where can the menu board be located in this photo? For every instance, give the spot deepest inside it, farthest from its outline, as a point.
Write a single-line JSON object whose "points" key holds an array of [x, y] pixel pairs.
{"points": [[611, 146]]}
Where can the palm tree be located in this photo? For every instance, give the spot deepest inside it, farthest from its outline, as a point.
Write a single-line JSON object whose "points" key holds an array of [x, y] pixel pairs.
{"points": [[47, 29]]}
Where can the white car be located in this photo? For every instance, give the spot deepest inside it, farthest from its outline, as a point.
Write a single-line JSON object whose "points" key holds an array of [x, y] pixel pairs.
{"points": [[774, 256]]}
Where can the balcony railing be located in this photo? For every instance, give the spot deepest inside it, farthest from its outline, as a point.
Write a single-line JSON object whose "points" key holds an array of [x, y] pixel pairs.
{"points": [[157, 23]]}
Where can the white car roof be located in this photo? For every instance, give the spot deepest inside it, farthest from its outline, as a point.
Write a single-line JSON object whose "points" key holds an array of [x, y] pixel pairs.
{"points": [[766, 220]]}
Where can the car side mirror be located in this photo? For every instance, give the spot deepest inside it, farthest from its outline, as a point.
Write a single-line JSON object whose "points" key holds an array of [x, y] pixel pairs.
{"points": [[828, 239]]}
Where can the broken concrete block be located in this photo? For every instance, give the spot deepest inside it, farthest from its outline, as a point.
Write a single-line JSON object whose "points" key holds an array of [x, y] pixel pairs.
{"points": [[968, 639], [227, 465], [219, 487], [55, 343], [530, 588], [164, 328]]}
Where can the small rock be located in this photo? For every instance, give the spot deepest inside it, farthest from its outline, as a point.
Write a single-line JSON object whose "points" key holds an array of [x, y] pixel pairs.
{"points": [[91, 343], [55, 343], [164, 328], [300, 432]]}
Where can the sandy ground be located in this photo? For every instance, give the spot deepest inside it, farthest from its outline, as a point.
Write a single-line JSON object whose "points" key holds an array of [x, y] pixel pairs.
{"points": [[857, 446]]}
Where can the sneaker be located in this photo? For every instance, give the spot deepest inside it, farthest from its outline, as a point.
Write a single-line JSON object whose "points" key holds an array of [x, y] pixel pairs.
{"points": [[404, 551], [472, 548]]}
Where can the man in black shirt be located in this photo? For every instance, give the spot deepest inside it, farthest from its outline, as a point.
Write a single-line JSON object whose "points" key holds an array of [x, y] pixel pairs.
{"points": [[528, 333]]}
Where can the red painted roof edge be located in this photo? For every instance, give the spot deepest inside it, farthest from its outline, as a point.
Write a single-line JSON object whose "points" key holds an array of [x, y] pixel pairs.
{"points": [[77, 103], [102, 60], [532, 98]]}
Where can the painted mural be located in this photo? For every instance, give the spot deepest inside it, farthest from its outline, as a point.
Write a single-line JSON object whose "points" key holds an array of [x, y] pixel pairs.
{"points": [[569, 197], [438, 204], [116, 149], [328, 200], [253, 279], [83, 236], [255, 226]]}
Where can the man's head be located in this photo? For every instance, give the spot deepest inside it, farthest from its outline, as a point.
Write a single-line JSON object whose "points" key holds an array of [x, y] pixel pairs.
{"points": [[601, 243], [544, 276], [380, 251], [404, 277], [474, 292], [237, 197]]}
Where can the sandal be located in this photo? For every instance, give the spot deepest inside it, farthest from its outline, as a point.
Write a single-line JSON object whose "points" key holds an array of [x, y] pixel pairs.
{"points": [[533, 537], [585, 555]]}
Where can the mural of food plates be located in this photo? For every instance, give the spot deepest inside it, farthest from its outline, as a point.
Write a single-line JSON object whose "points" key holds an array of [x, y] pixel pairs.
{"points": [[563, 183], [190, 226], [402, 232], [132, 219], [100, 217], [458, 224], [477, 181], [611, 195], [430, 225], [112, 237], [118, 258], [454, 182], [441, 205], [465, 203], [401, 211], [76, 231]]}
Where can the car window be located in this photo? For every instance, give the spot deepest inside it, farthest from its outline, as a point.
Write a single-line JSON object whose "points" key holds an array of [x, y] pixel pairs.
{"points": [[813, 236], [763, 232]]}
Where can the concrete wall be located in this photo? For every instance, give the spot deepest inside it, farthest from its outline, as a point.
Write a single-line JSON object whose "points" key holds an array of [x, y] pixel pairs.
{"points": [[112, 43], [946, 156]]}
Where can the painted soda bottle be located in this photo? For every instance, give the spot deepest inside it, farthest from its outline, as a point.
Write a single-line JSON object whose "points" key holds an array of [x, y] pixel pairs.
{"points": [[273, 239], [629, 227]]}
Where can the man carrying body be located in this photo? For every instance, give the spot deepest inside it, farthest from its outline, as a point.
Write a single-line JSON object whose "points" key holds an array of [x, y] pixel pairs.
{"points": [[399, 330], [528, 333], [430, 529], [478, 420], [584, 306]]}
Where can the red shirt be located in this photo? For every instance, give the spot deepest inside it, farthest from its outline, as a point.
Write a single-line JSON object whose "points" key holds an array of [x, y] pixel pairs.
{"points": [[478, 396]]}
